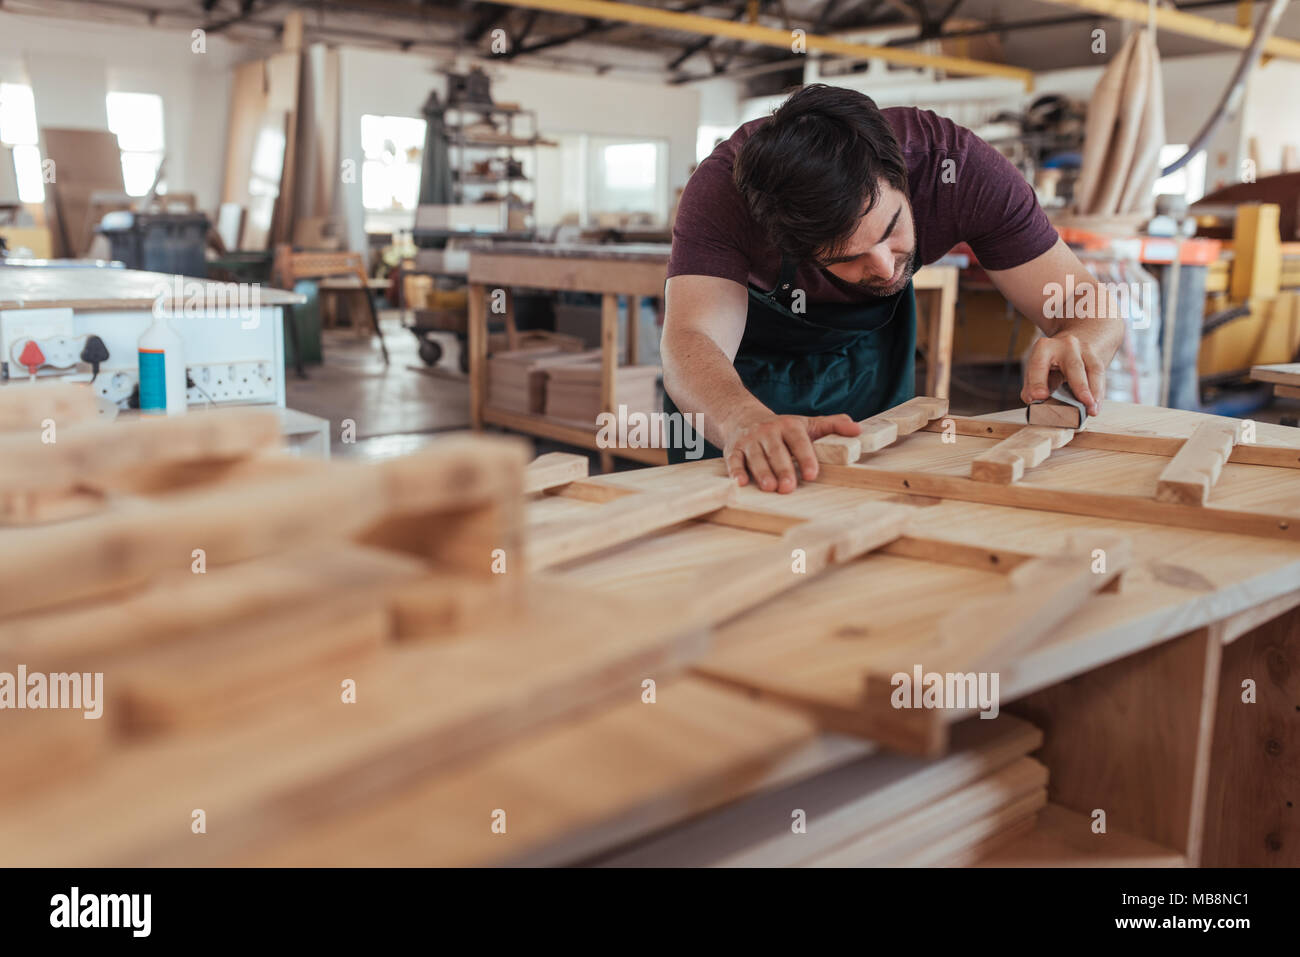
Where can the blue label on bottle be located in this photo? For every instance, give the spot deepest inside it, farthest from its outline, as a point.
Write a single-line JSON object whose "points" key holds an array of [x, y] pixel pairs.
{"points": [[153, 380]]}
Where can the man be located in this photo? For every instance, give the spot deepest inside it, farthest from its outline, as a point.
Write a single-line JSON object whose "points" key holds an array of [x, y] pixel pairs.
{"points": [[789, 305]]}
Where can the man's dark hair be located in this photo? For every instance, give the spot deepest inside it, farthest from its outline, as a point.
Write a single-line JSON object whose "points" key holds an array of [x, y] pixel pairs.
{"points": [[811, 171]]}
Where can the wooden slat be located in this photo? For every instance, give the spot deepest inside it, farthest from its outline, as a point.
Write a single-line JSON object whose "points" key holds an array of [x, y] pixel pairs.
{"points": [[880, 430], [231, 523], [931, 822], [864, 795], [644, 764], [1131, 508], [420, 708], [1280, 456], [625, 520], [1006, 462], [976, 840], [1190, 475]]}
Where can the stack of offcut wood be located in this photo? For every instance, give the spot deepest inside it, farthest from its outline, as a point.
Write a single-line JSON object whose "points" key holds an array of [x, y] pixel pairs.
{"points": [[517, 379], [883, 809], [573, 391]]}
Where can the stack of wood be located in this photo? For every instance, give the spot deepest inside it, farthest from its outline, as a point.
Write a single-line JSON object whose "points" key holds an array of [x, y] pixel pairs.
{"points": [[877, 810], [517, 380], [573, 391]]}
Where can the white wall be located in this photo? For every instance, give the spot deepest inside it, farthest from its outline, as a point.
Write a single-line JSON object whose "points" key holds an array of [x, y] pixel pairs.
{"points": [[397, 84], [1272, 112], [71, 67]]}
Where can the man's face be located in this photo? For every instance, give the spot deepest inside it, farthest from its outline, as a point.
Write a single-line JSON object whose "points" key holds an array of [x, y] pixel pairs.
{"points": [[880, 256]]}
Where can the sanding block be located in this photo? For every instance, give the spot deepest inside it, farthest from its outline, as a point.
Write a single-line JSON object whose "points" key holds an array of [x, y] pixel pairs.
{"points": [[1060, 410]]}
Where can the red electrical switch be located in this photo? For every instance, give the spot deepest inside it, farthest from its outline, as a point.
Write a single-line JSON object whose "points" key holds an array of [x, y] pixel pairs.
{"points": [[32, 357]]}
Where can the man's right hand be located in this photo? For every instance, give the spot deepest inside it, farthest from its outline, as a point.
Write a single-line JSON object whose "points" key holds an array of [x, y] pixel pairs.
{"points": [[768, 446]]}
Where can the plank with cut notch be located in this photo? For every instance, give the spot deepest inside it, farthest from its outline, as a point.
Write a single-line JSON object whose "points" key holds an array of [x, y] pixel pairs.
{"points": [[242, 520], [83, 450], [880, 430], [1006, 462], [1190, 474], [552, 469]]}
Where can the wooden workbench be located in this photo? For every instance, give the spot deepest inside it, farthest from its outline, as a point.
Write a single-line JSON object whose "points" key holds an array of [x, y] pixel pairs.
{"points": [[85, 289], [1139, 694], [632, 270]]}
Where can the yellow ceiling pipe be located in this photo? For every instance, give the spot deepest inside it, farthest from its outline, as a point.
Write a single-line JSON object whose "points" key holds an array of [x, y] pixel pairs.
{"points": [[1188, 24], [769, 36]]}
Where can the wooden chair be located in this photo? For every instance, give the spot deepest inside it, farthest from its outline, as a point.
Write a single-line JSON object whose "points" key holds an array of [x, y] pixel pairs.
{"points": [[290, 266]]}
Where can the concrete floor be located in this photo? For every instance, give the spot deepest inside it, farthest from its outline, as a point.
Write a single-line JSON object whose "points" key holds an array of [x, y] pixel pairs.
{"points": [[401, 408]]}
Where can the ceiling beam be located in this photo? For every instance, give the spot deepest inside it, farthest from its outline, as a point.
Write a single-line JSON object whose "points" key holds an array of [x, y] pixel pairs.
{"points": [[1187, 24], [659, 18]]}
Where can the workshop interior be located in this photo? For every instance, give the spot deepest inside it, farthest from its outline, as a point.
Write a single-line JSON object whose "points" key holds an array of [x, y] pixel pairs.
{"points": [[413, 453]]}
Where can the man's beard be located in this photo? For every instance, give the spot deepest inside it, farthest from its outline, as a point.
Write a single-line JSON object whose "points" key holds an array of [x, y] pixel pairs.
{"points": [[891, 286]]}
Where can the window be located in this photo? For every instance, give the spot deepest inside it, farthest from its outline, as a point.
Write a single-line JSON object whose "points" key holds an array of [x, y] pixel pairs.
{"points": [[18, 130], [390, 173], [1188, 181], [605, 177], [707, 137], [137, 119]]}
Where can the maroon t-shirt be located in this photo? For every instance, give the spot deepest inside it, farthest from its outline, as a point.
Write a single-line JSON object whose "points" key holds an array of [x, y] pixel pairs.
{"points": [[979, 198]]}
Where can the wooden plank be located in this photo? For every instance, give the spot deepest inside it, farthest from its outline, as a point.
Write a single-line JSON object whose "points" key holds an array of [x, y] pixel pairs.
{"points": [[1132, 739], [562, 431], [1280, 456], [1131, 508], [1065, 838], [864, 795], [929, 823], [421, 708], [1251, 818], [477, 344], [968, 844], [571, 273], [181, 604], [86, 450], [235, 522], [625, 520], [552, 469], [26, 406], [880, 430], [1287, 391], [231, 672], [631, 765], [1044, 592], [1282, 373], [1190, 475], [1006, 462], [738, 586]]}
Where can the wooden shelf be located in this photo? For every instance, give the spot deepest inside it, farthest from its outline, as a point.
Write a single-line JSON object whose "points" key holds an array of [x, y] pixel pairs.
{"points": [[561, 430], [1064, 838]]}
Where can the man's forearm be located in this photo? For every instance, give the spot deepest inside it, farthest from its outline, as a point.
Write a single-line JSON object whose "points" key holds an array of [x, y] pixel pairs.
{"points": [[700, 378]]}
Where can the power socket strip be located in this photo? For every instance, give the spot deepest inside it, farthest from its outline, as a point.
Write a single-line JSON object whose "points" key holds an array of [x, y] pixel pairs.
{"points": [[232, 382]]}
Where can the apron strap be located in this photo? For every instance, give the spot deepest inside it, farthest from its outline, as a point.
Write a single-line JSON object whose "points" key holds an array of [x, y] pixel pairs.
{"points": [[783, 293]]}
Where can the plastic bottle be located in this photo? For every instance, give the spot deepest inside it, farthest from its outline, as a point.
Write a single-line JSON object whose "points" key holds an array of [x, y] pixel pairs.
{"points": [[162, 370]]}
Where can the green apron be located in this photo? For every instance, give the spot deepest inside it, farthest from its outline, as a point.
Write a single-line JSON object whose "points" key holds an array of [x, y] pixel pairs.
{"points": [[857, 358]]}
